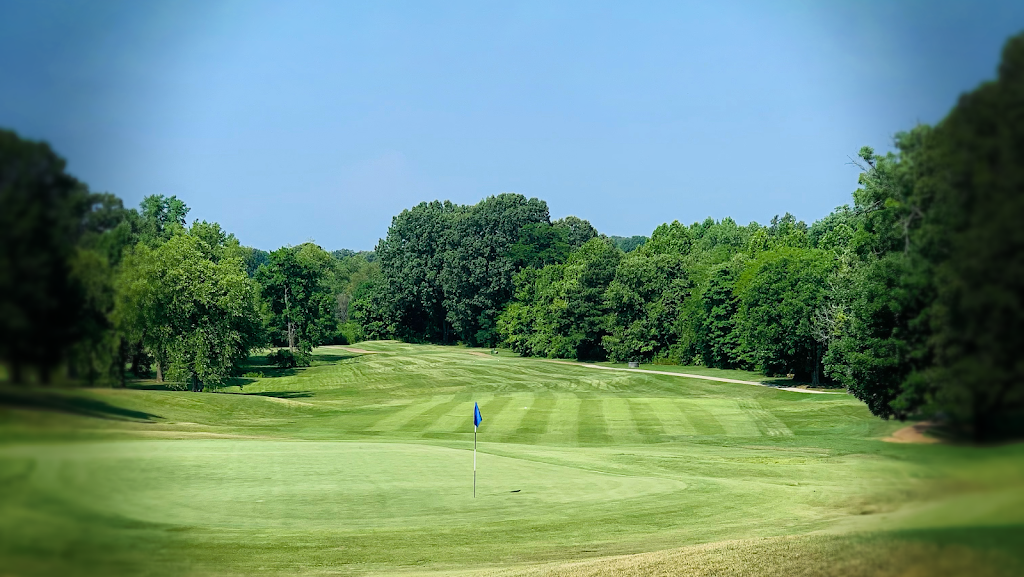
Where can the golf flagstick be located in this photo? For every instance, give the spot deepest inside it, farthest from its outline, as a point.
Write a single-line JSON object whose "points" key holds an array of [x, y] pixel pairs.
{"points": [[474, 461], [477, 419]]}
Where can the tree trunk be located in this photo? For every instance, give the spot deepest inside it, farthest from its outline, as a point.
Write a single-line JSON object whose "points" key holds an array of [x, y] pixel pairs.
{"points": [[291, 328], [815, 379], [159, 372], [122, 358], [17, 372]]}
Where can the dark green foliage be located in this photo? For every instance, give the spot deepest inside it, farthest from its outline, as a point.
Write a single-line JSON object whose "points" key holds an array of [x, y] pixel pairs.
{"points": [[871, 354], [446, 270], [540, 244], [191, 305], [350, 273], [254, 258], [300, 303], [287, 359], [577, 231], [969, 191], [779, 293], [160, 217], [370, 309], [717, 341], [477, 275], [59, 244], [560, 311], [646, 297], [410, 299], [628, 243]]}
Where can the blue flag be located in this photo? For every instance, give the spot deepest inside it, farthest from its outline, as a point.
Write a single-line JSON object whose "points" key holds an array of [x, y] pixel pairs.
{"points": [[477, 419]]}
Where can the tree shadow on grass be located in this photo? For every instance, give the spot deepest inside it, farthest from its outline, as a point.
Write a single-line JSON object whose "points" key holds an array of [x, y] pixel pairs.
{"points": [[332, 358], [788, 382], [779, 382], [72, 404], [277, 394]]}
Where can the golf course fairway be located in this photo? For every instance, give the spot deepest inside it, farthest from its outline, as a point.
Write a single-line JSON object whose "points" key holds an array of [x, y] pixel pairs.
{"points": [[363, 464]]}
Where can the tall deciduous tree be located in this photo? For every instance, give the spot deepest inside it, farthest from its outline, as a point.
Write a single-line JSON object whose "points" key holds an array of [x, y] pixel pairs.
{"points": [[478, 271], [43, 209], [199, 316], [296, 287], [969, 243], [779, 293], [560, 310]]}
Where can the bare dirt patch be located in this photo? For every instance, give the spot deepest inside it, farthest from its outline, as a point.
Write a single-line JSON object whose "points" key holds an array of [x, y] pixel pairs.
{"points": [[913, 434]]}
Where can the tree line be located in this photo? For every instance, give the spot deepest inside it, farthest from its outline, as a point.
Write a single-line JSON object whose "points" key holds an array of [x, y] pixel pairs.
{"points": [[910, 297], [91, 291]]}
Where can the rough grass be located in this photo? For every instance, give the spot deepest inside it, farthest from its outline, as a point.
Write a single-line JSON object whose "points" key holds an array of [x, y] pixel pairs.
{"points": [[362, 464]]}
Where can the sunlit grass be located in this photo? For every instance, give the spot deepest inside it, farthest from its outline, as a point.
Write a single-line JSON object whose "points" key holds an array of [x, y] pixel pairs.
{"points": [[362, 463]]}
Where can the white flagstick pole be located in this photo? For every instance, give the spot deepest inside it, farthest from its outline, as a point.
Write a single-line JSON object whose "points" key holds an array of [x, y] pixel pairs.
{"points": [[474, 461]]}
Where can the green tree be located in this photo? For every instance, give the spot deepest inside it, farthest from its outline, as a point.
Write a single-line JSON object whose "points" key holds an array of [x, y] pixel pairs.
{"points": [[717, 342], [560, 311], [968, 196], [199, 317], [779, 293], [300, 304], [577, 231], [40, 227], [873, 352], [645, 301], [412, 258], [160, 217], [540, 244], [628, 243], [478, 268]]}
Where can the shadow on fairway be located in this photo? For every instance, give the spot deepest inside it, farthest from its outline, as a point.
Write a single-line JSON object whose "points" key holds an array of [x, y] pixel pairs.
{"points": [[73, 404], [278, 394], [332, 358], [787, 382]]}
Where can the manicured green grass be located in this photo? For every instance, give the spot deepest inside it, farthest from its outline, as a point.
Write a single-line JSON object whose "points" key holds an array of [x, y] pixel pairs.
{"points": [[362, 464]]}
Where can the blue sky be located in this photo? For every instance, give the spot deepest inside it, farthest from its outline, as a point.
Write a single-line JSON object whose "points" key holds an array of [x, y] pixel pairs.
{"points": [[291, 121]]}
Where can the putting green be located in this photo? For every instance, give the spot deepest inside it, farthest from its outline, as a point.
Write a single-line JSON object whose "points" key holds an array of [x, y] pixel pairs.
{"points": [[362, 464], [320, 485]]}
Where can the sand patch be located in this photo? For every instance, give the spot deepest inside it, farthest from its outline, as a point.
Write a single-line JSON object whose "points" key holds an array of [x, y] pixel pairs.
{"points": [[913, 434]]}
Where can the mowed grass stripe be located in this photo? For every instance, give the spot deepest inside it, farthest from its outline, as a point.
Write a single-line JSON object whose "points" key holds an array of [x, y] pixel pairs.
{"points": [[591, 428], [396, 420], [704, 423], [492, 408], [503, 424], [421, 423], [460, 418], [673, 419], [647, 422], [620, 421], [535, 423], [737, 422], [765, 421], [563, 426]]}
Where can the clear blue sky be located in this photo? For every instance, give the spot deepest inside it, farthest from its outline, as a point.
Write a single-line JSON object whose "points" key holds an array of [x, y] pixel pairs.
{"points": [[291, 121]]}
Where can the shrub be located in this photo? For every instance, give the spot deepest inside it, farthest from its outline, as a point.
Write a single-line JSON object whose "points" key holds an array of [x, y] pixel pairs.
{"points": [[286, 359]]}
